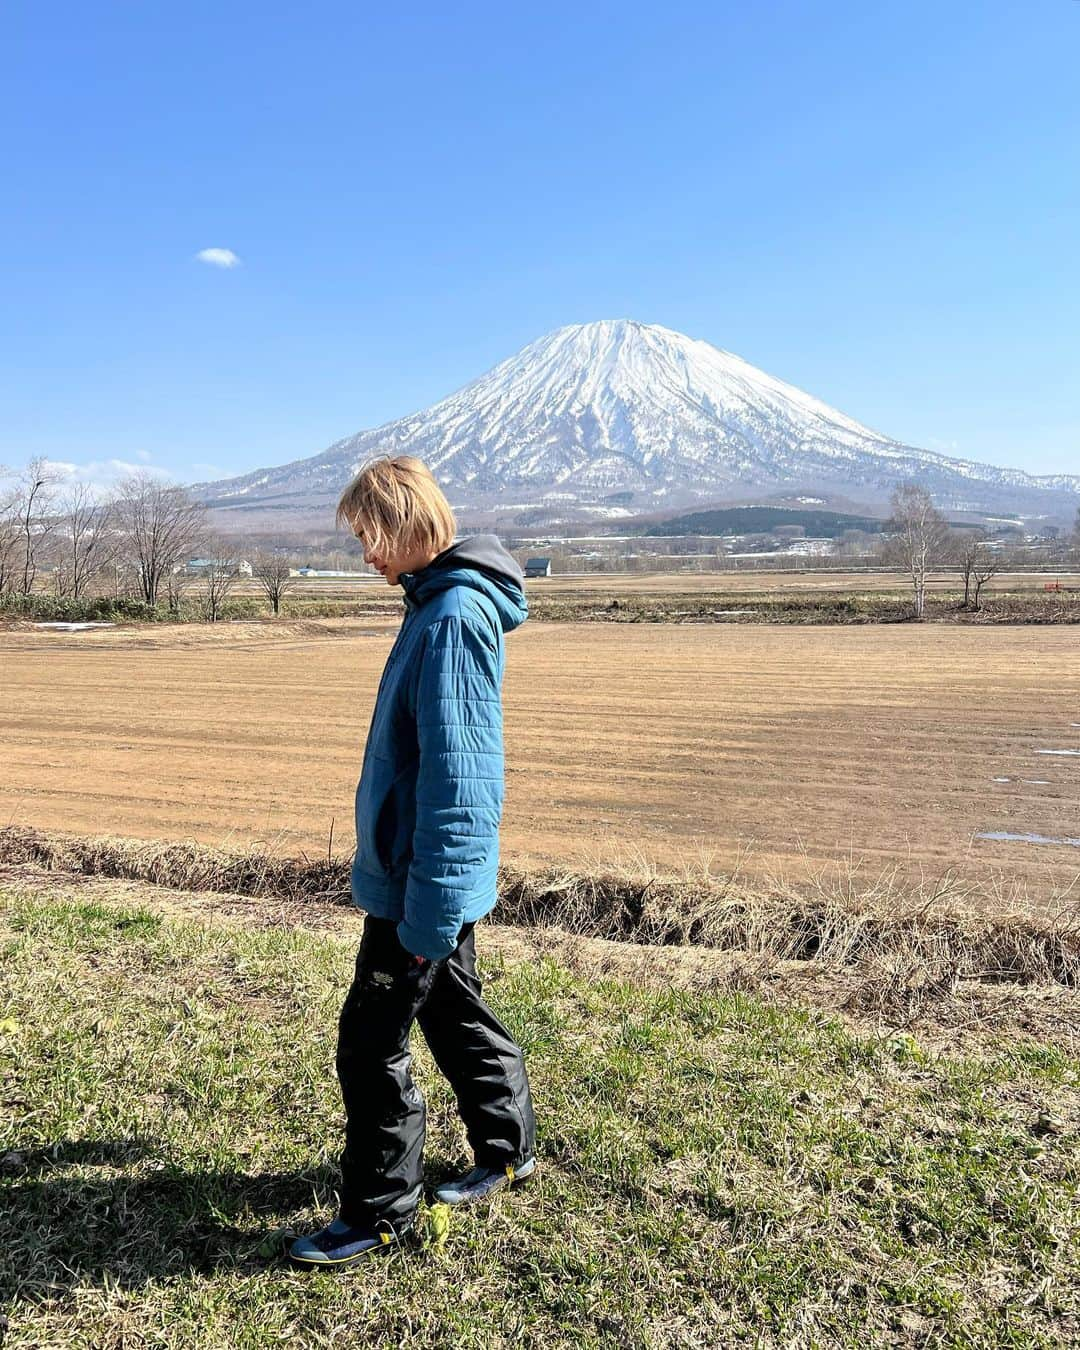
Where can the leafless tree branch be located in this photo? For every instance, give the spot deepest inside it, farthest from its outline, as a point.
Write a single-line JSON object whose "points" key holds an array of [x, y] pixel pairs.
{"points": [[919, 536], [87, 539], [161, 525], [272, 572]]}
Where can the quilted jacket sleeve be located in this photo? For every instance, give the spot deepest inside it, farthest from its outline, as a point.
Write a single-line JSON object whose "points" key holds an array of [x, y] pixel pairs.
{"points": [[459, 786]]}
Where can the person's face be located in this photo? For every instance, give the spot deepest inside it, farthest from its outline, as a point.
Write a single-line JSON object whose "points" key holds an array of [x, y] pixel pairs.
{"points": [[392, 563]]}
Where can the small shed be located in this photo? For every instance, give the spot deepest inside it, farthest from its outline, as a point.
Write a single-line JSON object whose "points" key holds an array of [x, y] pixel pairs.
{"points": [[538, 567]]}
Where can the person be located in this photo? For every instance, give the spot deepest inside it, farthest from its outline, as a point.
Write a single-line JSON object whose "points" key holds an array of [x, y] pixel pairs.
{"points": [[428, 806]]}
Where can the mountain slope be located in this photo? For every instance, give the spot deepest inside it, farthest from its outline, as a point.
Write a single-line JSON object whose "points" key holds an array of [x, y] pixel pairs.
{"points": [[617, 406]]}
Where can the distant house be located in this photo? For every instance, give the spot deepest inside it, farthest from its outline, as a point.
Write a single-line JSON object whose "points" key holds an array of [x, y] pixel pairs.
{"points": [[199, 566], [538, 567]]}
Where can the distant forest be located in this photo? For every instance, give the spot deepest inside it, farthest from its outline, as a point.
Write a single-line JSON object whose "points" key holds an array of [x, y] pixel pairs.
{"points": [[764, 519]]}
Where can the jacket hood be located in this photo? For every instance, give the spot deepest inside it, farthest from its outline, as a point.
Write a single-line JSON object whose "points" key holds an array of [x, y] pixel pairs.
{"points": [[480, 562]]}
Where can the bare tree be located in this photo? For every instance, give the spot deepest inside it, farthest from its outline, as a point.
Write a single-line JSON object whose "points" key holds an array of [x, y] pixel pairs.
{"points": [[976, 562], [219, 577], [1075, 537], [919, 534], [964, 551], [9, 535], [34, 521], [161, 526], [119, 575], [273, 574], [987, 564], [87, 540], [176, 583]]}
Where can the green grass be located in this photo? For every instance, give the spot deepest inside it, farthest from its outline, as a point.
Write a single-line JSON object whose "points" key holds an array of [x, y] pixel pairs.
{"points": [[715, 1171]]}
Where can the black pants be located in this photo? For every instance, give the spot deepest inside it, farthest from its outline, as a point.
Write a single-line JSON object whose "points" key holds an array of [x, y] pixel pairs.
{"points": [[382, 1165]]}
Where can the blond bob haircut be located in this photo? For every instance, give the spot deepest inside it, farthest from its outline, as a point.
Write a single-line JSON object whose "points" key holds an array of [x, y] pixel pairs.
{"points": [[394, 505]]}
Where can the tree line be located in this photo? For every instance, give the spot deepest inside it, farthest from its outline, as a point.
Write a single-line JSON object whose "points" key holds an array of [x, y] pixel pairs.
{"points": [[136, 541], [920, 538], [133, 542]]}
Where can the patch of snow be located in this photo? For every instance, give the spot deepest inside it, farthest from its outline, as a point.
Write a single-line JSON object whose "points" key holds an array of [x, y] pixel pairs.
{"points": [[73, 627], [1005, 836], [626, 405]]}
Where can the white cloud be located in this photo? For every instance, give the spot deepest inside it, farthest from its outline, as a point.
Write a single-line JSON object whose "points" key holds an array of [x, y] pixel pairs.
{"points": [[104, 474], [218, 257]]}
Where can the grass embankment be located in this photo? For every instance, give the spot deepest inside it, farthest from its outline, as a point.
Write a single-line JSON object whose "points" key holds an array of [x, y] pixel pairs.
{"points": [[909, 945], [823, 607], [715, 1171], [606, 602], [106, 609]]}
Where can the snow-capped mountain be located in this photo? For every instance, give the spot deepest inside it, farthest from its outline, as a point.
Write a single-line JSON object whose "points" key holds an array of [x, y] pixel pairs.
{"points": [[633, 410]]}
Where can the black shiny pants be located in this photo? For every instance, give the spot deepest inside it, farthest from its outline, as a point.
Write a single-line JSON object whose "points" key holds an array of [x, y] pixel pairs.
{"points": [[382, 1164]]}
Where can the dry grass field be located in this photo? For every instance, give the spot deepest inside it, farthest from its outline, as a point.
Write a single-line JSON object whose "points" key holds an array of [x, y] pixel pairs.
{"points": [[767, 749], [690, 582], [797, 580]]}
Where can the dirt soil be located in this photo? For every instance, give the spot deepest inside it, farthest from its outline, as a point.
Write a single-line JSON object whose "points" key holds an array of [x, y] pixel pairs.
{"points": [[764, 750]]}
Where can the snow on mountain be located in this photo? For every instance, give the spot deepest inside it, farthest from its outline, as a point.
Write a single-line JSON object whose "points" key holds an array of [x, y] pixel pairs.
{"points": [[635, 409]]}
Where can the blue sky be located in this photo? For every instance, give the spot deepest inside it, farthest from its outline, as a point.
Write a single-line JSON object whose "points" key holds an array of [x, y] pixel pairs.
{"points": [[878, 203]]}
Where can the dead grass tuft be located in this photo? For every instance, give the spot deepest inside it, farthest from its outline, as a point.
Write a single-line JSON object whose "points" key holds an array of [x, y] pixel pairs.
{"points": [[907, 944], [910, 942], [181, 865]]}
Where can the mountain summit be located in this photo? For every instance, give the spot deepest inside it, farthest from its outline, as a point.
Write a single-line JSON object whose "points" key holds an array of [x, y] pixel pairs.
{"points": [[638, 412]]}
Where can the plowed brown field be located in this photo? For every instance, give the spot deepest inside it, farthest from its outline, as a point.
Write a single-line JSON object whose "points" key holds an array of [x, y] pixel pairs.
{"points": [[774, 748]]}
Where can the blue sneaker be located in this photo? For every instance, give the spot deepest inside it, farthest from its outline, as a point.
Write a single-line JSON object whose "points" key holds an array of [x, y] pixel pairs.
{"points": [[482, 1182], [339, 1245]]}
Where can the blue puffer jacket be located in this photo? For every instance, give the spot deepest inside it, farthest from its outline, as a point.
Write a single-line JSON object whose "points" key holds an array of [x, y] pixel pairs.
{"points": [[430, 795]]}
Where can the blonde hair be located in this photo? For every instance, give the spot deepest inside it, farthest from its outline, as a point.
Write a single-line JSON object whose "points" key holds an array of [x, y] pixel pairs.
{"points": [[395, 505]]}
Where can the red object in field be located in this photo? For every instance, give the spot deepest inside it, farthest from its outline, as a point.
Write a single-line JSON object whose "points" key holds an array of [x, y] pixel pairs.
{"points": [[1052, 586]]}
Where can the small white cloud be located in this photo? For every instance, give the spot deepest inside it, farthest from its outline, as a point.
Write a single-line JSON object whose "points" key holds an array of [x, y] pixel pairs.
{"points": [[218, 257], [104, 474], [123, 467]]}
